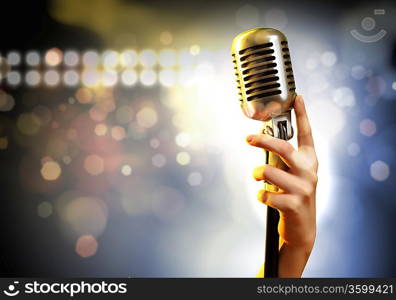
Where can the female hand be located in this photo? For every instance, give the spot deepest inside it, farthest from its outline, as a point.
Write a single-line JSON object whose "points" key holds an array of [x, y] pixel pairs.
{"points": [[296, 200]]}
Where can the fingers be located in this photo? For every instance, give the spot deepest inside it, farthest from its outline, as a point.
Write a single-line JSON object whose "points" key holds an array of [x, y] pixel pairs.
{"points": [[286, 181], [278, 146], [304, 133], [286, 203]]}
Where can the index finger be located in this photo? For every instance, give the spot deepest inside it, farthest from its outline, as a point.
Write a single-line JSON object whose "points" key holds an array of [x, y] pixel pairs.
{"points": [[304, 132]]}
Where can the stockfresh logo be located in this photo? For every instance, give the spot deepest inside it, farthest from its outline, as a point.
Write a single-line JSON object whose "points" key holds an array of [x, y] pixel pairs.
{"points": [[12, 289], [68, 288]]}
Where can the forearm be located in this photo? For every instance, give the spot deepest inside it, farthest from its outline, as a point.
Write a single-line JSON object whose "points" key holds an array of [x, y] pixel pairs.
{"points": [[292, 260]]}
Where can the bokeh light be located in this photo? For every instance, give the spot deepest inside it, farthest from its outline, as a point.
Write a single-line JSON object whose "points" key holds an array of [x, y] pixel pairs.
{"points": [[379, 170], [53, 57], [86, 246], [94, 164], [32, 58], [148, 77], [148, 58], [51, 170]]}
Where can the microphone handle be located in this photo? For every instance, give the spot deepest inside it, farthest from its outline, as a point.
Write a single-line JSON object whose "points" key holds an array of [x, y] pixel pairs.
{"points": [[271, 262]]}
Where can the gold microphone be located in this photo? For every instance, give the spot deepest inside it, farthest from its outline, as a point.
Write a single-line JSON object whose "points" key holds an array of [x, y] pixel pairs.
{"points": [[266, 87]]}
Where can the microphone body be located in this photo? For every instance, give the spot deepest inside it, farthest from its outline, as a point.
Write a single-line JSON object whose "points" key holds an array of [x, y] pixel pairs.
{"points": [[266, 88]]}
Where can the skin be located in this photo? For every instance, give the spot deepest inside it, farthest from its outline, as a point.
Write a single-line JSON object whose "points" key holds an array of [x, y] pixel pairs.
{"points": [[296, 200]]}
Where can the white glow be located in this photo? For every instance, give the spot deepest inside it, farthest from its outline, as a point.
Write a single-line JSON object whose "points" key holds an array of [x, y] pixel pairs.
{"points": [[51, 77], [110, 59], [90, 59], [129, 58], [167, 77], [148, 77], [71, 58], [32, 78], [148, 58], [32, 58], [129, 77], [71, 78]]}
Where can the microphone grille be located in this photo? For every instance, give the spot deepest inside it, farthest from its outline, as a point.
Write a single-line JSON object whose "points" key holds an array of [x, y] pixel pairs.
{"points": [[262, 66]]}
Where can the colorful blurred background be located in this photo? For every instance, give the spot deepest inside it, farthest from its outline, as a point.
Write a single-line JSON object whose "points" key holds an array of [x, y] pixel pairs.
{"points": [[122, 141]]}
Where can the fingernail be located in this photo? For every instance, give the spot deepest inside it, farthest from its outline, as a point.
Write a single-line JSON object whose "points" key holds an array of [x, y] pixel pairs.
{"points": [[258, 173], [250, 139], [262, 196]]}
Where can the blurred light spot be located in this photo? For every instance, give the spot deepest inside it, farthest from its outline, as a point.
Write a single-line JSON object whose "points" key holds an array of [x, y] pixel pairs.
{"points": [[129, 58], [368, 127], [124, 114], [148, 58], [66, 159], [109, 78], [90, 59], [13, 58], [51, 77], [94, 164], [32, 78], [195, 49], [148, 77], [53, 57], [3, 143], [358, 72], [100, 129], [13, 78], [7, 102], [28, 123], [44, 209], [86, 246], [70, 78], [394, 85], [154, 143], [146, 117], [110, 59], [275, 18], [90, 77], [166, 38], [126, 170], [118, 133], [84, 95], [328, 58], [158, 160], [167, 77], [353, 149], [32, 58], [86, 215], [247, 16], [129, 77], [379, 170], [167, 58], [194, 179], [183, 139], [71, 58], [344, 97], [50, 170], [183, 158]]}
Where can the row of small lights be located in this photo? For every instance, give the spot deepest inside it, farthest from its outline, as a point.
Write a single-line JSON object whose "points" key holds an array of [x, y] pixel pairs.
{"points": [[107, 68]]}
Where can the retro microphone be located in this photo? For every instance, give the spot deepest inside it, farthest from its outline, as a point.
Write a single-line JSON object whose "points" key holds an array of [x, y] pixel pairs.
{"points": [[266, 87]]}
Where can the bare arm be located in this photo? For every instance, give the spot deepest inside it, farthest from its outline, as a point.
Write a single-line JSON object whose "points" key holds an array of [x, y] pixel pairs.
{"points": [[296, 201]]}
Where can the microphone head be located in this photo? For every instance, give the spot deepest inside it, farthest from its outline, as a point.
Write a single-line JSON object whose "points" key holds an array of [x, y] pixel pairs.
{"points": [[263, 72]]}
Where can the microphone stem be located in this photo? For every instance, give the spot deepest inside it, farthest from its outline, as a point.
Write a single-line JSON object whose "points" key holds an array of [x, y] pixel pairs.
{"points": [[281, 128]]}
